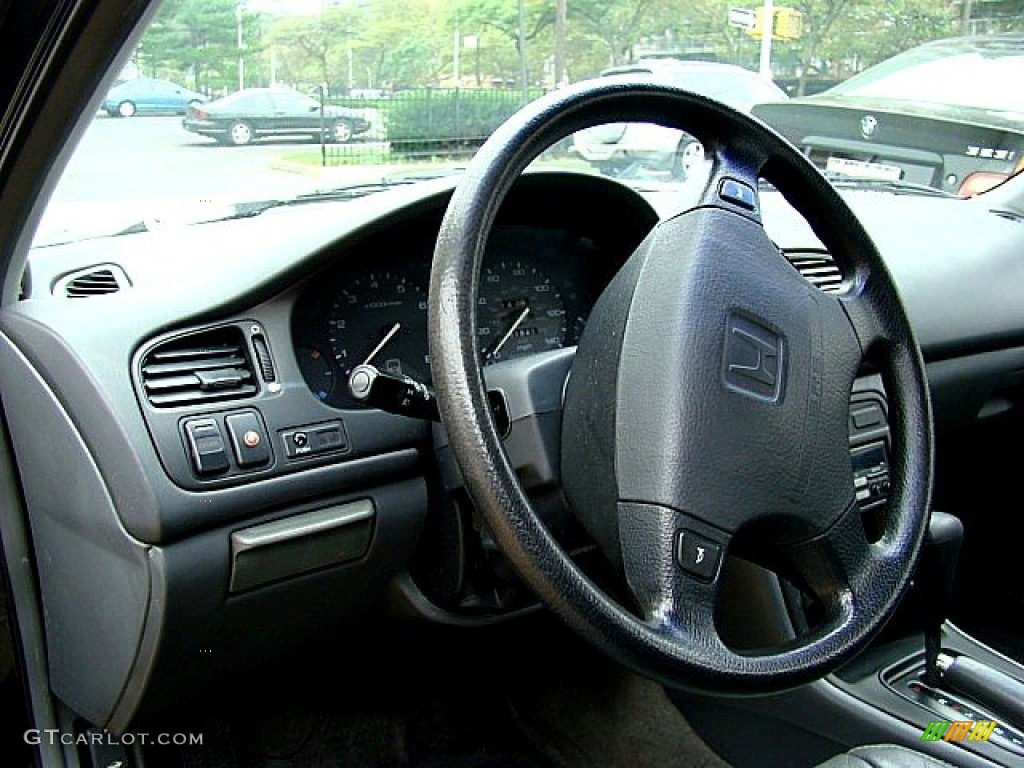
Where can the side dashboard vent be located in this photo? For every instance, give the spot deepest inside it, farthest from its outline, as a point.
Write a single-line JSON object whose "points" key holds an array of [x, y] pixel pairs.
{"points": [[94, 281], [818, 268], [202, 367]]}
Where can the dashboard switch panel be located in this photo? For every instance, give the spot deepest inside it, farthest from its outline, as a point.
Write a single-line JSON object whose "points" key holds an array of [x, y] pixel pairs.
{"points": [[206, 446], [248, 439], [315, 439]]}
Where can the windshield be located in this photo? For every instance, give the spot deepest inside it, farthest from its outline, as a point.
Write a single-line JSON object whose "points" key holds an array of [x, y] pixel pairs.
{"points": [[228, 102]]}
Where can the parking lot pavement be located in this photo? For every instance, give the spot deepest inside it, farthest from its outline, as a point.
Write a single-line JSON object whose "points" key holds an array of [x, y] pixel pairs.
{"points": [[154, 157], [151, 165]]}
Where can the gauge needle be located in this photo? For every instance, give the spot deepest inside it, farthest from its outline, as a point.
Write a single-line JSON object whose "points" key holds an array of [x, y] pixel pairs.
{"points": [[489, 353], [387, 337]]}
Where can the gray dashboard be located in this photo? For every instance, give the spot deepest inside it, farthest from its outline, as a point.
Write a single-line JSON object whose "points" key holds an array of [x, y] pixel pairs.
{"points": [[137, 529]]}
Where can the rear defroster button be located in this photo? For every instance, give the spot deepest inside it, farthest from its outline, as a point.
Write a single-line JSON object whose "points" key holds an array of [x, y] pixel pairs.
{"points": [[246, 432]]}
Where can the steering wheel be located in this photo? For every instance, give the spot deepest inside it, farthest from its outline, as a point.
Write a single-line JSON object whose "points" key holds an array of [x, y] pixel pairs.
{"points": [[707, 407]]}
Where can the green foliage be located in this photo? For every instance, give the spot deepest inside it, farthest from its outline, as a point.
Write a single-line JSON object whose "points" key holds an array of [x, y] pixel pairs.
{"points": [[312, 49], [402, 44], [439, 120], [195, 42], [619, 24], [874, 33]]}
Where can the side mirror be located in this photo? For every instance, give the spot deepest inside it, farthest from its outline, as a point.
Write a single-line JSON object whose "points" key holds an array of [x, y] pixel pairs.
{"points": [[315, 108]]}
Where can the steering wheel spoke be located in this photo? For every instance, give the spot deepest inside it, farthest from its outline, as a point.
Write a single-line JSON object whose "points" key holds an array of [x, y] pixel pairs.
{"points": [[863, 318], [672, 563], [733, 181], [848, 571]]}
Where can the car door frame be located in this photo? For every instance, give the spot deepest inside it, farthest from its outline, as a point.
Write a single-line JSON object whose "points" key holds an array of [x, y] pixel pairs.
{"points": [[60, 64]]}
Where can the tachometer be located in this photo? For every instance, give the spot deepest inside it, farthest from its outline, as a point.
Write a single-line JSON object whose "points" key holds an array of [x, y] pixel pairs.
{"points": [[381, 317], [520, 312]]}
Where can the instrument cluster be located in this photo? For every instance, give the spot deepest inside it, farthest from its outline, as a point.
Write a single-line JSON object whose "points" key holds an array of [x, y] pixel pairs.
{"points": [[537, 286]]}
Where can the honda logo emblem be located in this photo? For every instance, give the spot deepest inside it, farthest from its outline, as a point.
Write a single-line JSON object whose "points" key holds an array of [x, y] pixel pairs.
{"points": [[754, 359]]}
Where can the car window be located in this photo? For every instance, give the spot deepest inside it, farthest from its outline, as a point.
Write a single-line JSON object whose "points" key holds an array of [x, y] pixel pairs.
{"points": [[293, 102], [250, 102], [422, 84]]}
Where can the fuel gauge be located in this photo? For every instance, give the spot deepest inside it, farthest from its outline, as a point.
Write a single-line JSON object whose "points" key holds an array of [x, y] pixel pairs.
{"points": [[317, 371]]}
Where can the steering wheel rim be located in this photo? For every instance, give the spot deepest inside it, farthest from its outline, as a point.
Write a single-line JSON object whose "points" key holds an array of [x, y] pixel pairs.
{"points": [[676, 640]]}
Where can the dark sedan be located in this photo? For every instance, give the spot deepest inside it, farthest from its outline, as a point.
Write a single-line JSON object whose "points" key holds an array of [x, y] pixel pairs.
{"points": [[253, 113], [948, 114]]}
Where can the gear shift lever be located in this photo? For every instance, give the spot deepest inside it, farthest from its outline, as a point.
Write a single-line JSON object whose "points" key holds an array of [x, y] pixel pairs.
{"points": [[935, 574], [998, 692]]}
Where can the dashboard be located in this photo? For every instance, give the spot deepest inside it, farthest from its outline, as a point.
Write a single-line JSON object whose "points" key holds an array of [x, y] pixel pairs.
{"points": [[222, 481]]}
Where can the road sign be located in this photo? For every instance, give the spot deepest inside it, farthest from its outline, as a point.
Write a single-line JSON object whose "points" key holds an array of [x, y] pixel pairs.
{"points": [[742, 18]]}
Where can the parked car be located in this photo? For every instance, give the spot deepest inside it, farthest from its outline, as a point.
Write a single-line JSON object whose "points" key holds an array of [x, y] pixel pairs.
{"points": [[149, 96], [947, 114], [254, 113], [619, 149]]}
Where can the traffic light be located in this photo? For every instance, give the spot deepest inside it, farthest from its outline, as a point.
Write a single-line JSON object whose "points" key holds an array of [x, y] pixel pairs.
{"points": [[757, 30], [788, 24]]}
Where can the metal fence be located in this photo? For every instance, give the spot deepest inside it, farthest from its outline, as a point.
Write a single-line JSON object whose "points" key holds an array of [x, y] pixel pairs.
{"points": [[429, 123]]}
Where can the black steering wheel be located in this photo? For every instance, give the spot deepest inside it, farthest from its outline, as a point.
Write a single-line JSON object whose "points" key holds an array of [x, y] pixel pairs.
{"points": [[707, 407]]}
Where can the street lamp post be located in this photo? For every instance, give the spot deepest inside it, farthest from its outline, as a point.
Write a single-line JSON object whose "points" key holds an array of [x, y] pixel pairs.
{"points": [[521, 40], [768, 29], [241, 57]]}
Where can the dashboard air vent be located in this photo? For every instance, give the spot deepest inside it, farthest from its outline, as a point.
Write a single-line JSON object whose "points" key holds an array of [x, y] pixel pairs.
{"points": [[203, 367], [94, 281], [818, 268]]}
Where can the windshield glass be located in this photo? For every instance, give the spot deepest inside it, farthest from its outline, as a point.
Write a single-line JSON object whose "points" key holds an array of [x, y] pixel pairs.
{"points": [[228, 102]]}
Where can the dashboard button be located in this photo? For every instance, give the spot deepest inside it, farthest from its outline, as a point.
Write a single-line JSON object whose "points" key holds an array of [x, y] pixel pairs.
{"points": [[738, 193], [206, 446], [867, 416], [248, 438], [315, 438]]}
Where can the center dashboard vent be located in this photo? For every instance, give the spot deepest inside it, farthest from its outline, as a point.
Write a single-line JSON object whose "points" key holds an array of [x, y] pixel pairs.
{"points": [[202, 367], [818, 269]]}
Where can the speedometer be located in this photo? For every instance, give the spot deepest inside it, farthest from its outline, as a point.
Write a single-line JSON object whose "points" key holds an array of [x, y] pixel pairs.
{"points": [[381, 318], [520, 312]]}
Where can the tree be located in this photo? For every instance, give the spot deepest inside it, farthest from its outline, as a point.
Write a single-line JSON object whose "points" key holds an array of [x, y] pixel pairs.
{"points": [[873, 32], [502, 18], [819, 18], [403, 43], [619, 24], [311, 49], [197, 39]]}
